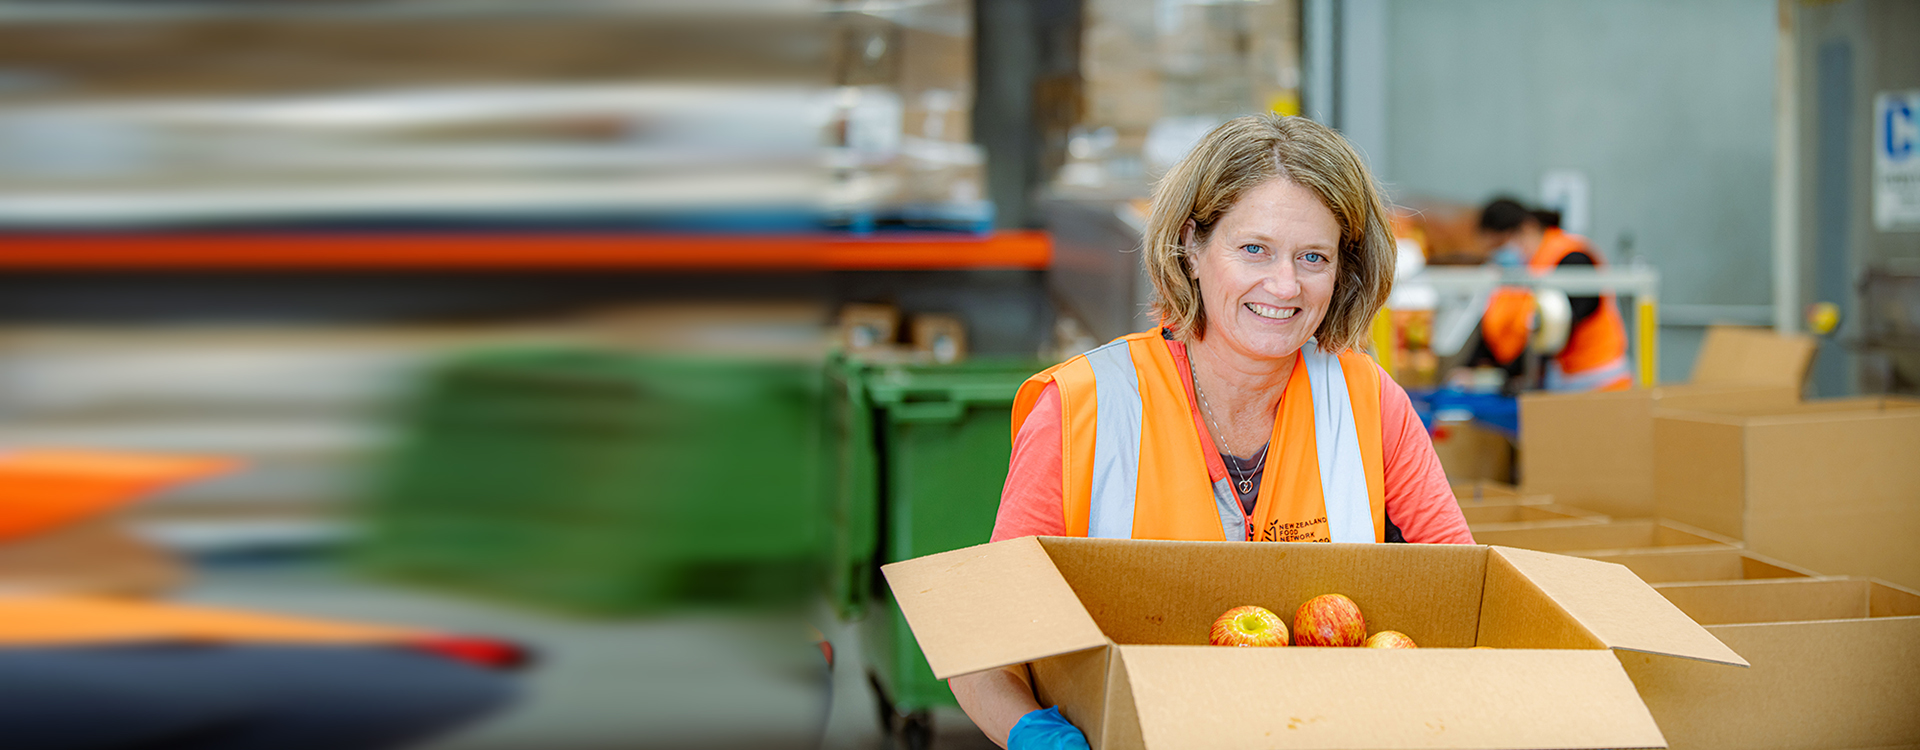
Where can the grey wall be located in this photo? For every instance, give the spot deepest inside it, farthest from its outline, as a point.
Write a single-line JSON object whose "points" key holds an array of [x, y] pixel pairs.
{"points": [[1846, 53], [1667, 107]]}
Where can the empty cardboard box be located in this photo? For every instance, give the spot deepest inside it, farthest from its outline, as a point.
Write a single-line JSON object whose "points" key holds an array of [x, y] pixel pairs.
{"points": [[1595, 450], [1694, 565], [1480, 489], [1487, 494], [1492, 517], [1616, 535], [1115, 633], [1831, 485], [1836, 664]]}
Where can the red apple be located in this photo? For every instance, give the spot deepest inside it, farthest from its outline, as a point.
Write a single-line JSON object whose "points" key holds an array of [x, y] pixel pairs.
{"points": [[1248, 626], [1329, 620], [1390, 639]]}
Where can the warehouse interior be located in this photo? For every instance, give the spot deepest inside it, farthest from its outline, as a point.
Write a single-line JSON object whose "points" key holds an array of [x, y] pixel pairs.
{"points": [[610, 348]]}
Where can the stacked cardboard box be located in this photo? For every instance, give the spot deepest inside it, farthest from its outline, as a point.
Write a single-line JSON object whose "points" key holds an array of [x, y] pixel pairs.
{"points": [[1832, 485], [1596, 450], [1753, 491], [1115, 633]]}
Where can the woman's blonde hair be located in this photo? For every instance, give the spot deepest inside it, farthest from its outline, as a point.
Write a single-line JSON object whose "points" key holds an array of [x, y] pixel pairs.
{"points": [[1239, 155]]}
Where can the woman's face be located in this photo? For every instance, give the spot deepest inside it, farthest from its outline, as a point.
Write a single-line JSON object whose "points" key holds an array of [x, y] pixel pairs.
{"points": [[1266, 274]]}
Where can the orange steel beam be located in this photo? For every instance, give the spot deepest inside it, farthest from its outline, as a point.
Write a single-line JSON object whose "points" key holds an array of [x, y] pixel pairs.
{"points": [[1023, 249]]}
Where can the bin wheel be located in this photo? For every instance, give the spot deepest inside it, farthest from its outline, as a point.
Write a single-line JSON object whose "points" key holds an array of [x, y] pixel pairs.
{"points": [[889, 721], [916, 731]]}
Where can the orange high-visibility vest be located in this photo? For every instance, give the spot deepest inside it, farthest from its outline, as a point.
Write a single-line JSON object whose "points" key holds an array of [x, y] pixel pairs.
{"points": [[1594, 358], [1133, 465]]}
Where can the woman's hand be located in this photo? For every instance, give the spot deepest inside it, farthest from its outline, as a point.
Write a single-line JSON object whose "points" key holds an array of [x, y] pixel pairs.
{"points": [[1046, 730]]}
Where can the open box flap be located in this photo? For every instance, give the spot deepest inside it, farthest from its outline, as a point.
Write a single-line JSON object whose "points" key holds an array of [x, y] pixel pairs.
{"points": [[1752, 356], [1618, 608], [989, 606], [1205, 697]]}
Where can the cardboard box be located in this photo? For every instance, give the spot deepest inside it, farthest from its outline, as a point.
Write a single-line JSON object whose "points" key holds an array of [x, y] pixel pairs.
{"points": [[1526, 515], [869, 327], [941, 337], [1470, 452], [1479, 493], [1675, 566], [1836, 664], [1595, 450], [1831, 485], [1478, 489], [1606, 537], [1115, 633]]}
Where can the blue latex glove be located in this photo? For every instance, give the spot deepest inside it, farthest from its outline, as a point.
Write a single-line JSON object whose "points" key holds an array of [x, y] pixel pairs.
{"points": [[1045, 729]]}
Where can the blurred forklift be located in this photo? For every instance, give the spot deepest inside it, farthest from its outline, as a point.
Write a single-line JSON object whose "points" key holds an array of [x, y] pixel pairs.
{"points": [[92, 659]]}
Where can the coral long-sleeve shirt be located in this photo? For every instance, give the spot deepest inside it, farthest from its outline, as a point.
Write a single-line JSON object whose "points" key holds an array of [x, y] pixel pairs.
{"points": [[1419, 501]]}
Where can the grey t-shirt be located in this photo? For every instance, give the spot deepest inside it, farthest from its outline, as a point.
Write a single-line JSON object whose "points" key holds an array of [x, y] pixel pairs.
{"points": [[1249, 469]]}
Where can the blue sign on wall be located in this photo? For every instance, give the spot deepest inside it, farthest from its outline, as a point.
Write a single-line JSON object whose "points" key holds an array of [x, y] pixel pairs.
{"points": [[1896, 161]]}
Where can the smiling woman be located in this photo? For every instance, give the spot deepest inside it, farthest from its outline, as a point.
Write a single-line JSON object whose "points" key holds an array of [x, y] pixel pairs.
{"points": [[1249, 414]]}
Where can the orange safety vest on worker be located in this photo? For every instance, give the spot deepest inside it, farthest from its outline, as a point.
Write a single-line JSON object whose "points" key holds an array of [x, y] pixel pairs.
{"points": [[1595, 355], [1133, 465]]}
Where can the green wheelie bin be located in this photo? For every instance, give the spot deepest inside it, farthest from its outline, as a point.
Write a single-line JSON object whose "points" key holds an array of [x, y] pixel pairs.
{"points": [[939, 436]]}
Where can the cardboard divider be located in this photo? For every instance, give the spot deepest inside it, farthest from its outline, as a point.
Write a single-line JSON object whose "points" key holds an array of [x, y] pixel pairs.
{"points": [[1172, 595], [1836, 664], [1683, 565], [1604, 537], [1507, 516], [1771, 601]]}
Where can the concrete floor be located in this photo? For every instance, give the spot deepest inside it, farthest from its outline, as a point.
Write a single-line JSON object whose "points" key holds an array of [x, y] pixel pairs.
{"points": [[693, 682]]}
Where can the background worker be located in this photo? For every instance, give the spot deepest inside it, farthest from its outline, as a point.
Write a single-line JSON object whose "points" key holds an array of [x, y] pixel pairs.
{"points": [[1595, 355], [1249, 415]]}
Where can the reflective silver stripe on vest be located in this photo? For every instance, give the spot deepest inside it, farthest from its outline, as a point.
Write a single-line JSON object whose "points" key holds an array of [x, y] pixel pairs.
{"points": [[1591, 380], [1343, 474], [1233, 518], [1116, 442]]}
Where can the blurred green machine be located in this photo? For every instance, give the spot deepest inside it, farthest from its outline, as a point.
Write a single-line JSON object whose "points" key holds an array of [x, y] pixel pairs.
{"points": [[919, 455], [607, 482]]}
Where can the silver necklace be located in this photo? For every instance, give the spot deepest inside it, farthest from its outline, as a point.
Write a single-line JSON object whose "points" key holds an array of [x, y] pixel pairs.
{"points": [[1244, 482]]}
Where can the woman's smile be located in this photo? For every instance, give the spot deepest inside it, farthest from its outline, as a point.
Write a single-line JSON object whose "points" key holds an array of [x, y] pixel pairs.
{"points": [[1270, 312]]}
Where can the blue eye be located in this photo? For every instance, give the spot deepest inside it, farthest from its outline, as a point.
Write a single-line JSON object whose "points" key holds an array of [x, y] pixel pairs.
{"points": [[1253, 249], [1312, 257]]}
